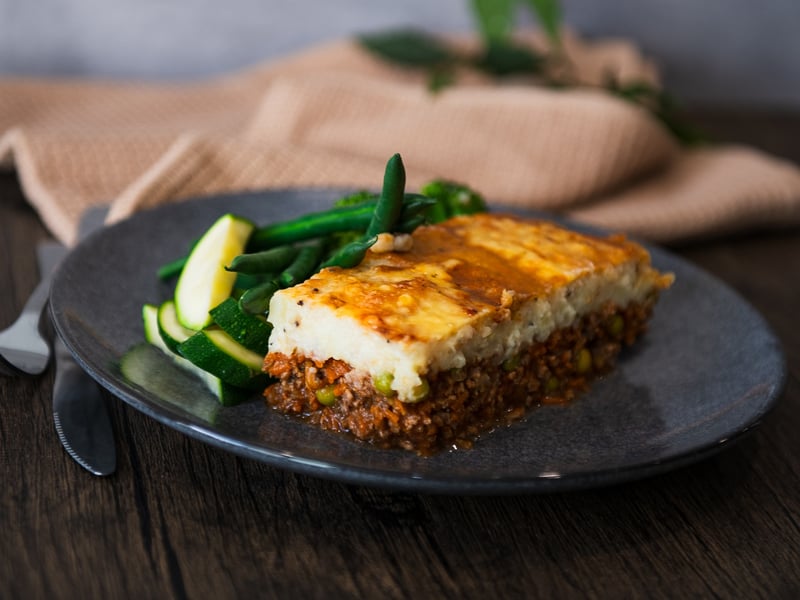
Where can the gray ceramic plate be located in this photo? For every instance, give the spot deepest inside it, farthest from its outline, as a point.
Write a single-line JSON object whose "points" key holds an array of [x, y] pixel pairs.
{"points": [[707, 371]]}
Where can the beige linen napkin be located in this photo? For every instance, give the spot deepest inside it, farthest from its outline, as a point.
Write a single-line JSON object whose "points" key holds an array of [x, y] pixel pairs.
{"points": [[333, 115]]}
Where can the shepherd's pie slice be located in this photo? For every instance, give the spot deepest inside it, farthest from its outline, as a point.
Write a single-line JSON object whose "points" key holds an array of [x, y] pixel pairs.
{"points": [[480, 319]]}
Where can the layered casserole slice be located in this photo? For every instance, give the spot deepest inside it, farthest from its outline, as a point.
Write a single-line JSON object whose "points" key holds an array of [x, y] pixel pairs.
{"points": [[482, 318]]}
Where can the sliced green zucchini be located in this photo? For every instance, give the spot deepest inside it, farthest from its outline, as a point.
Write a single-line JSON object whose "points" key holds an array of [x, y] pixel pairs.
{"points": [[204, 282], [215, 351], [169, 328], [150, 320], [226, 394], [251, 331]]}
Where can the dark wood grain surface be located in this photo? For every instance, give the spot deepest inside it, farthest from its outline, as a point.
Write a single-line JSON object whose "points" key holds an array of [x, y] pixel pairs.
{"points": [[181, 519]]}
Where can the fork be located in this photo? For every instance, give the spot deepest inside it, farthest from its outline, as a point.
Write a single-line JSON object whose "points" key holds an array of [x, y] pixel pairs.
{"points": [[23, 347]]}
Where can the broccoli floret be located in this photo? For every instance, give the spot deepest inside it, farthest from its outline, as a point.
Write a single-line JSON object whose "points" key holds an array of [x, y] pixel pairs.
{"points": [[452, 199], [355, 199]]}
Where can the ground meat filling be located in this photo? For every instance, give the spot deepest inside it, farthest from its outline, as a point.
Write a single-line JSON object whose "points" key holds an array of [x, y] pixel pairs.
{"points": [[461, 403]]}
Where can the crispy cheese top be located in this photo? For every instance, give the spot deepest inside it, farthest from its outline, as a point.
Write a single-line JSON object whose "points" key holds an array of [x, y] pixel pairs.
{"points": [[463, 270]]}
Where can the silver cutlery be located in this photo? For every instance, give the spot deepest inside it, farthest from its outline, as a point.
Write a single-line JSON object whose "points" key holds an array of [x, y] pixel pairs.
{"points": [[24, 348], [81, 416], [80, 413]]}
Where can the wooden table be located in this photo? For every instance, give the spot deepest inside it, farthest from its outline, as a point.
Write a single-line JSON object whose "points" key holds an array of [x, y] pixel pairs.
{"points": [[183, 519]]}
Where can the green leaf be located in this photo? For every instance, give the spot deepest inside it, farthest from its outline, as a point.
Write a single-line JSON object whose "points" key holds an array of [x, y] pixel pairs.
{"points": [[660, 104], [439, 79], [637, 91], [495, 18], [408, 47], [548, 12], [502, 58]]}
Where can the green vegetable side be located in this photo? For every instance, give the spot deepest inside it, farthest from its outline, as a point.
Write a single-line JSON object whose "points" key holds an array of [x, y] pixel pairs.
{"points": [[216, 322]]}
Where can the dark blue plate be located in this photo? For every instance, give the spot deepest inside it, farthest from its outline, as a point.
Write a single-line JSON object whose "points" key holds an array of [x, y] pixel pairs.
{"points": [[706, 372]]}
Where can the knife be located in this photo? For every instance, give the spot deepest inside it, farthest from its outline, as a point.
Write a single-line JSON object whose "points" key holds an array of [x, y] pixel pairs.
{"points": [[80, 413]]}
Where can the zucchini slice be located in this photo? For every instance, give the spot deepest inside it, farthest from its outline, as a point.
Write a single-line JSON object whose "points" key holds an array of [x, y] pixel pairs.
{"points": [[251, 331], [204, 282], [145, 366], [138, 366], [215, 351], [169, 328], [150, 319]]}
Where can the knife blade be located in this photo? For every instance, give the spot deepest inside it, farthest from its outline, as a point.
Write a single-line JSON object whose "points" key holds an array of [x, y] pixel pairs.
{"points": [[81, 416], [80, 413]]}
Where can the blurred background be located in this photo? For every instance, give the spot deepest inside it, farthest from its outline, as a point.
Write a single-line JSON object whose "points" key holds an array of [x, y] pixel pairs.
{"points": [[736, 53]]}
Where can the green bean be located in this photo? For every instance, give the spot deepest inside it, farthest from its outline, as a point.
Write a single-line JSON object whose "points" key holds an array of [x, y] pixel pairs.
{"points": [[415, 213], [411, 224], [390, 204], [334, 220], [256, 300], [266, 261], [172, 268], [313, 225], [437, 213], [415, 204], [245, 281], [410, 198], [304, 265], [350, 255]]}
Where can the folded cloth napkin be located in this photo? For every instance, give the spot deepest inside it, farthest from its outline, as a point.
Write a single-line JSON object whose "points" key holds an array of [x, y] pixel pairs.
{"points": [[332, 116]]}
